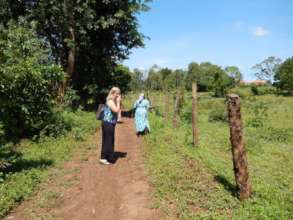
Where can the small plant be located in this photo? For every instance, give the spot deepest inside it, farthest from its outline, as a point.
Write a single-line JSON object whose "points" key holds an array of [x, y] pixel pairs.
{"points": [[71, 97], [259, 112], [254, 90], [275, 134], [219, 115]]}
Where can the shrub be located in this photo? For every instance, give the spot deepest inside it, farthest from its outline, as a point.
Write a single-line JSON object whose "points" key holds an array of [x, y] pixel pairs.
{"points": [[242, 91], [71, 98], [254, 89], [263, 90], [258, 113], [218, 115], [28, 81], [58, 125]]}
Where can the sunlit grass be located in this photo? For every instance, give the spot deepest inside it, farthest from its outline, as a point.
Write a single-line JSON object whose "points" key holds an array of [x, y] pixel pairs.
{"points": [[198, 183]]}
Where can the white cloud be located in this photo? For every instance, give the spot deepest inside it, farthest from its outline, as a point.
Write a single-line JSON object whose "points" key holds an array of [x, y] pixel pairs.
{"points": [[260, 31]]}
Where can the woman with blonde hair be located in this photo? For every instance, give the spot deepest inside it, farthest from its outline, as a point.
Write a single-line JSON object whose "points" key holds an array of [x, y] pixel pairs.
{"points": [[109, 120]]}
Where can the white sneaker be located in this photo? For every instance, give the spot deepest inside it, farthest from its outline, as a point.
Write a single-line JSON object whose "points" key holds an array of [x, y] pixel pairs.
{"points": [[104, 162]]}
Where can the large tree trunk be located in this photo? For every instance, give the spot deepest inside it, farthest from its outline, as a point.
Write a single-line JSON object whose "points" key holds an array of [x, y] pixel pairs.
{"points": [[70, 65], [68, 11]]}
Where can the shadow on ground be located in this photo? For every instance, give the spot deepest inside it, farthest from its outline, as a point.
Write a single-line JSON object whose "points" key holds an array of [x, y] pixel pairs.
{"points": [[227, 185], [118, 155]]}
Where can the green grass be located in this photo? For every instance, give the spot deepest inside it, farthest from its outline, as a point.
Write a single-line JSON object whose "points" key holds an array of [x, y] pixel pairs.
{"points": [[30, 162], [198, 183]]}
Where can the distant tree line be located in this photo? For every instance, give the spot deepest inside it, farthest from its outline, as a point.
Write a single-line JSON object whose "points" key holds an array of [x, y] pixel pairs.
{"points": [[213, 78], [209, 77]]}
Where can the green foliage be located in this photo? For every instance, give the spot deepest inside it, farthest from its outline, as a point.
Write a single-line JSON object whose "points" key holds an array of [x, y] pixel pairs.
{"points": [[263, 90], [218, 114], [258, 111], [209, 77], [234, 73], [254, 90], [28, 81], [71, 98], [284, 76], [122, 77], [242, 91], [136, 83], [101, 32]]}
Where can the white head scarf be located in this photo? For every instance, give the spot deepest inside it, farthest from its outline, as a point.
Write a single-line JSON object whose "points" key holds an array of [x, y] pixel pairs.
{"points": [[141, 97]]}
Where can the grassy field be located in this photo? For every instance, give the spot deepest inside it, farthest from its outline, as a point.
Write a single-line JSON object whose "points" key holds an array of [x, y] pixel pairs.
{"points": [[31, 161], [198, 183]]}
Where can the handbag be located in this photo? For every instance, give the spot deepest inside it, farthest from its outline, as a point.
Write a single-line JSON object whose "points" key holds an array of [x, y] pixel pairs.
{"points": [[100, 112]]}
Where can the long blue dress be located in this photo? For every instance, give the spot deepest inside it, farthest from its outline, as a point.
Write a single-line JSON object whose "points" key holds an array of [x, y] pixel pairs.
{"points": [[141, 115]]}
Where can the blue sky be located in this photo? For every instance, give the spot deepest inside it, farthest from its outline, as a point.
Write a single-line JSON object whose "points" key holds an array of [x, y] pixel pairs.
{"points": [[224, 32]]}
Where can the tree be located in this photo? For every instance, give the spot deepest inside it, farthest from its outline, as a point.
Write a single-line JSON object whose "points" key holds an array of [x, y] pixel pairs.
{"points": [[193, 75], [88, 38], [137, 82], [267, 68], [234, 73], [221, 81], [284, 76], [165, 72], [174, 80], [154, 80], [28, 81]]}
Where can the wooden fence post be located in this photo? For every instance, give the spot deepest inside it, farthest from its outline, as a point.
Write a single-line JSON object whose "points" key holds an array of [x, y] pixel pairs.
{"points": [[176, 108], [243, 186], [166, 106], [195, 133]]}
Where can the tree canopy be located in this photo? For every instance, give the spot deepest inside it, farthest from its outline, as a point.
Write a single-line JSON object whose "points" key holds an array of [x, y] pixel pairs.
{"points": [[88, 38], [284, 76]]}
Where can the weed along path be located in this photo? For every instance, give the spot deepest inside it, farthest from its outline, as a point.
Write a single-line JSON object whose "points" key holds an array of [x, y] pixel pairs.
{"points": [[87, 190]]}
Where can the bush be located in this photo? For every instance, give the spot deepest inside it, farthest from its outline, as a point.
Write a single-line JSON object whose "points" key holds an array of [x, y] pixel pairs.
{"points": [[218, 115], [242, 91], [71, 98], [258, 113], [28, 81], [57, 126], [263, 90]]}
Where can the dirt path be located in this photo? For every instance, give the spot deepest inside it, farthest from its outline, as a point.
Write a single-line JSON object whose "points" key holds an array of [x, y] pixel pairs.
{"points": [[120, 191]]}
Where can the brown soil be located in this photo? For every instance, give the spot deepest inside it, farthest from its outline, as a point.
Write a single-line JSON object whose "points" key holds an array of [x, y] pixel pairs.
{"points": [[93, 191]]}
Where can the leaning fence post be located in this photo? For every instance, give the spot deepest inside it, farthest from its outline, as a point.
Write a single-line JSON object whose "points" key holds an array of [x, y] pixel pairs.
{"points": [[176, 108], [195, 133], [240, 165]]}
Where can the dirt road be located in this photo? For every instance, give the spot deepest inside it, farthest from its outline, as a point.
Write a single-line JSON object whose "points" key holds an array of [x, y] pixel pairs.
{"points": [[115, 192]]}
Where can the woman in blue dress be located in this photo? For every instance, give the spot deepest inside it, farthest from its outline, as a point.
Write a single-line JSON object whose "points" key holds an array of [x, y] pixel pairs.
{"points": [[141, 107]]}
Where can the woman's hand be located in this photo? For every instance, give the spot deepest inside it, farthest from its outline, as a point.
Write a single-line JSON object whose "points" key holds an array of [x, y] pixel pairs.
{"points": [[118, 99], [115, 107]]}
